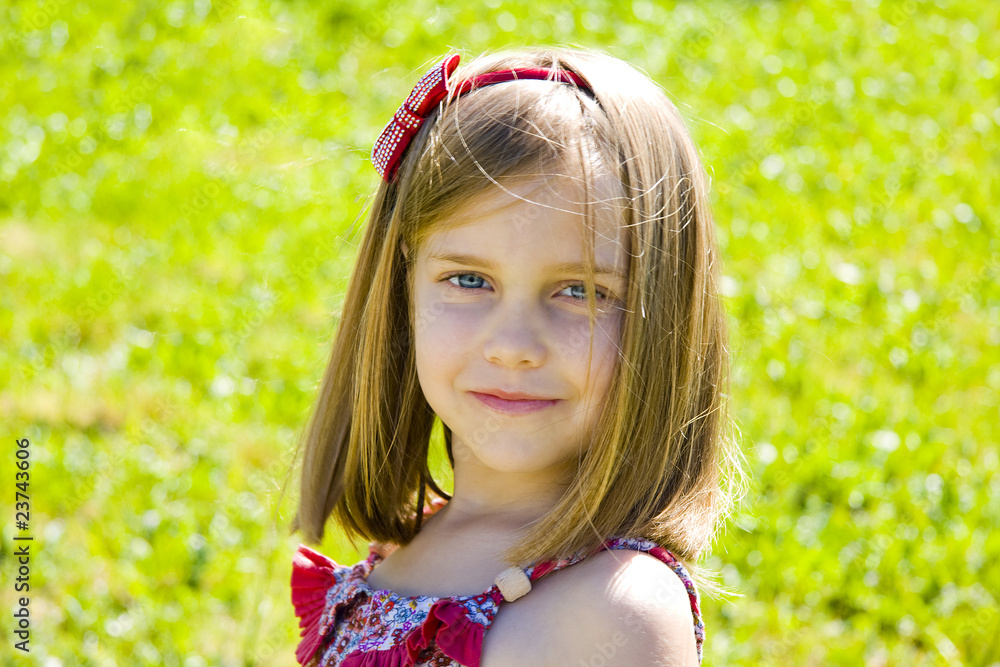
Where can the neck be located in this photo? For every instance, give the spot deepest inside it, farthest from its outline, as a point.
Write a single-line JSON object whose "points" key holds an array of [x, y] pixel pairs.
{"points": [[503, 503]]}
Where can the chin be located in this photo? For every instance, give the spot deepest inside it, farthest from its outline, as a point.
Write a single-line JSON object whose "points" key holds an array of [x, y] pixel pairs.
{"points": [[514, 457]]}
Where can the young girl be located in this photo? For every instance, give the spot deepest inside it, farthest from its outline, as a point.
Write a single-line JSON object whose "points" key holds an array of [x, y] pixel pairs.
{"points": [[539, 273]]}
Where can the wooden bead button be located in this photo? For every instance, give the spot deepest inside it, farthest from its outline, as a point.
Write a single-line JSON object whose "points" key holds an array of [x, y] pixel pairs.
{"points": [[513, 583]]}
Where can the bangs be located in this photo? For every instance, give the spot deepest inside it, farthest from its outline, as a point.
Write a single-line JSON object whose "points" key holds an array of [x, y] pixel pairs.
{"points": [[499, 134]]}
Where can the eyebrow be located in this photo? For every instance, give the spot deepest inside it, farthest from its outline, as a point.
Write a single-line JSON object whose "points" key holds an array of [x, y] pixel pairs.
{"points": [[565, 267]]}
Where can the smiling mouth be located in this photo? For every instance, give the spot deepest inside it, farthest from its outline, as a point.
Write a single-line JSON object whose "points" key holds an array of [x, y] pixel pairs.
{"points": [[510, 407]]}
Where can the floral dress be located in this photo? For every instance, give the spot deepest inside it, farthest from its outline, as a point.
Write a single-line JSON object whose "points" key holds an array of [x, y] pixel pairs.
{"points": [[345, 623]]}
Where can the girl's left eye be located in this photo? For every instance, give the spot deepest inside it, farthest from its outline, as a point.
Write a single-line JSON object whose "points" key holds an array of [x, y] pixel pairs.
{"points": [[601, 294], [478, 281]]}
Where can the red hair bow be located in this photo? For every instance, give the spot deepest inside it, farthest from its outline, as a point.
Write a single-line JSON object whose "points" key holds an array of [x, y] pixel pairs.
{"points": [[430, 90]]}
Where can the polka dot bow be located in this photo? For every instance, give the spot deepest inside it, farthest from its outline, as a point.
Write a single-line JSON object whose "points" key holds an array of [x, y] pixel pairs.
{"points": [[430, 91]]}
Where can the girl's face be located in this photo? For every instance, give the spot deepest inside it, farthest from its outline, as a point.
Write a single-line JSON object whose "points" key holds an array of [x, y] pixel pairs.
{"points": [[500, 307]]}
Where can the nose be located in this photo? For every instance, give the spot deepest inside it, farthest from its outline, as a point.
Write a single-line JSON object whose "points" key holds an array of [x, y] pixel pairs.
{"points": [[515, 338]]}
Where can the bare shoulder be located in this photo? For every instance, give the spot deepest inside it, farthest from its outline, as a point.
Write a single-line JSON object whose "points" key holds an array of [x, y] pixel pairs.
{"points": [[615, 608], [636, 603]]}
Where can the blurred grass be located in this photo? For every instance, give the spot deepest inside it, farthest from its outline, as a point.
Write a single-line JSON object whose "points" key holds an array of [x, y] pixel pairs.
{"points": [[179, 183]]}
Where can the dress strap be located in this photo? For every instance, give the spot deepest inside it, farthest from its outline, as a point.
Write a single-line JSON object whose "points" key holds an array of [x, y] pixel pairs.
{"points": [[674, 564], [635, 544]]}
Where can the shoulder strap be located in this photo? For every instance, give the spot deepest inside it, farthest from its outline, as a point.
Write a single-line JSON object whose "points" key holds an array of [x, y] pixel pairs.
{"points": [[671, 561], [636, 544]]}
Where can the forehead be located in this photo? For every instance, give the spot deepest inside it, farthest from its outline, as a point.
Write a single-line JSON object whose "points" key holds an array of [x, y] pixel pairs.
{"points": [[538, 217]]}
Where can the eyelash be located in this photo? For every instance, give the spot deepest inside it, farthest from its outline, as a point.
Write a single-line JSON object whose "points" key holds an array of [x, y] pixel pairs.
{"points": [[603, 294]]}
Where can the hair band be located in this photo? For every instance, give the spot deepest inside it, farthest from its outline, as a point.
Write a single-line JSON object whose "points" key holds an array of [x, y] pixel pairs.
{"points": [[430, 91]]}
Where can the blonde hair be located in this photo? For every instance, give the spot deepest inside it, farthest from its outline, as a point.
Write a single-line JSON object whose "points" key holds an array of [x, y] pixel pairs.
{"points": [[664, 463]]}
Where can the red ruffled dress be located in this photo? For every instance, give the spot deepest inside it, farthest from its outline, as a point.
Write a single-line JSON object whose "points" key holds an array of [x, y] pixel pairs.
{"points": [[347, 624]]}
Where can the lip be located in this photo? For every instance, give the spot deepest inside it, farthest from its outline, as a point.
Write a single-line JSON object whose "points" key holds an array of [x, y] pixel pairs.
{"points": [[513, 403]]}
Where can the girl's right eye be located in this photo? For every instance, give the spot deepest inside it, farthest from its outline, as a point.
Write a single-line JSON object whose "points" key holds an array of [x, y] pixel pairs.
{"points": [[468, 278]]}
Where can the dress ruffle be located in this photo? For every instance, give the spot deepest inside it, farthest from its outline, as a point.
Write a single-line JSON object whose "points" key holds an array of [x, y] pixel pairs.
{"points": [[397, 656], [312, 576], [448, 625]]}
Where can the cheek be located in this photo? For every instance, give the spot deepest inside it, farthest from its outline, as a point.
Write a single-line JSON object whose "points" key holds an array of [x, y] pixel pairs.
{"points": [[606, 353], [443, 338], [441, 324], [574, 341], [604, 362]]}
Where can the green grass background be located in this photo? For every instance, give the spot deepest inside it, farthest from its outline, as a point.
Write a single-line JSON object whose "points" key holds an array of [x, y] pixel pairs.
{"points": [[178, 182]]}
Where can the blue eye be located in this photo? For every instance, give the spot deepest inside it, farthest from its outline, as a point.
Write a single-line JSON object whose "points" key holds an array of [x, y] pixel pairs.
{"points": [[471, 276], [473, 281], [601, 295]]}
